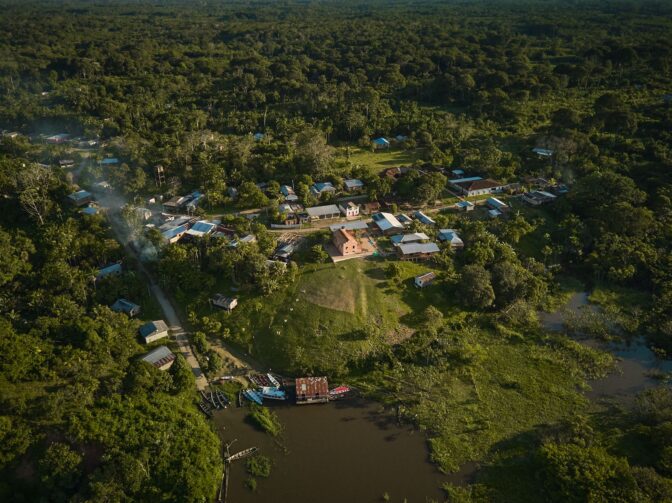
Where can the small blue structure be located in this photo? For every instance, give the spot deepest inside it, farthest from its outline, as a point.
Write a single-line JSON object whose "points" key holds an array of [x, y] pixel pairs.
{"points": [[109, 161], [320, 188], [110, 270], [258, 136], [126, 306], [381, 142], [81, 197], [424, 218], [174, 234], [89, 210], [465, 205]]}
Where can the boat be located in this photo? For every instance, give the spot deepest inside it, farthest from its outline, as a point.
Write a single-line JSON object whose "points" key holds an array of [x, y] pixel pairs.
{"points": [[222, 399], [241, 454], [205, 409], [273, 393], [339, 392], [273, 380], [253, 396]]}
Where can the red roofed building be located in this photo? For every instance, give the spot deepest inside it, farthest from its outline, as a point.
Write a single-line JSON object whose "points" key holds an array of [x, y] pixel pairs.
{"points": [[312, 390], [478, 187]]}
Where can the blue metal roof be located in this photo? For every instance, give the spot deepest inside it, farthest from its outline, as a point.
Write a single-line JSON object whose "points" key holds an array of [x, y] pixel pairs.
{"points": [[124, 306], [79, 195], [90, 210], [175, 231], [381, 141], [110, 269], [110, 160]]}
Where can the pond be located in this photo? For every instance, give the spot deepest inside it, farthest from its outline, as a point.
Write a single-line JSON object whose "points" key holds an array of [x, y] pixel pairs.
{"points": [[351, 450]]}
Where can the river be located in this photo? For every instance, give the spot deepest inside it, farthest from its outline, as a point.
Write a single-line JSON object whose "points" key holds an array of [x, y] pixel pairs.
{"points": [[350, 450], [635, 361]]}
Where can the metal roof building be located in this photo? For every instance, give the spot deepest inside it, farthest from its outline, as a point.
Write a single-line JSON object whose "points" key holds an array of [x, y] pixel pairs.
{"points": [[162, 358], [355, 225], [312, 390], [387, 222], [323, 212]]}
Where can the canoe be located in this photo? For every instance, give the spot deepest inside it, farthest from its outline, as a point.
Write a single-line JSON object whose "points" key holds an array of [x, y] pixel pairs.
{"points": [[273, 380], [253, 396], [341, 390]]}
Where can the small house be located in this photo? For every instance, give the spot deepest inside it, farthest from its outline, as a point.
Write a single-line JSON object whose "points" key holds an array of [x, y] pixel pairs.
{"points": [[353, 185], [245, 240], [465, 206], [162, 358], [284, 252], [370, 208], [538, 197], [424, 218], [312, 390], [327, 212], [387, 223], [543, 152], [494, 213], [417, 251], [349, 209], [226, 303], [381, 143], [404, 219], [80, 198], [496, 204], [153, 331], [288, 193], [417, 237], [66, 163], [346, 243], [425, 279], [451, 237], [110, 270], [174, 204], [458, 173], [201, 228], [258, 136], [318, 189], [109, 161], [126, 306]]}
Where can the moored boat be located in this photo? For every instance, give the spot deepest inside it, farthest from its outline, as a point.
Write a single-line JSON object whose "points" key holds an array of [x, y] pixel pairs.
{"points": [[273, 393], [273, 380], [339, 391], [253, 396]]}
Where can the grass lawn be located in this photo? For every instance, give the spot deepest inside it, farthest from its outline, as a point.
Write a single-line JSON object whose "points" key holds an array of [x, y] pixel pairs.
{"points": [[378, 160]]}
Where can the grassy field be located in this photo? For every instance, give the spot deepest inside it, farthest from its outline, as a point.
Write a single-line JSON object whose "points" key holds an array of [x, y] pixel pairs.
{"points": [[332, 314], [379, 160]]}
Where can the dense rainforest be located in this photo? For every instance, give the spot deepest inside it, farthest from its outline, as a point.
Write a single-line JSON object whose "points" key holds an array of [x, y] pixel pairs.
{"points": [[252, 94]]}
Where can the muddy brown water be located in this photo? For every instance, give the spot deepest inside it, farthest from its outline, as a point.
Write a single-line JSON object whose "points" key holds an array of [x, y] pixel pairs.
{"points": [[346, 451], [635, 362]]}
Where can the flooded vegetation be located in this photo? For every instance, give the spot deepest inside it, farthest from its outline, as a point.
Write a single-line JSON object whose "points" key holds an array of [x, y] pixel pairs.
{"points": [[637, 366]]}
